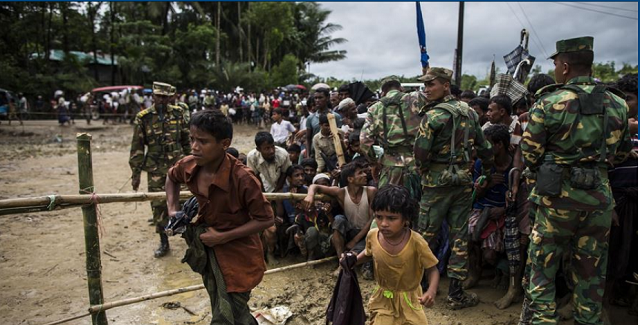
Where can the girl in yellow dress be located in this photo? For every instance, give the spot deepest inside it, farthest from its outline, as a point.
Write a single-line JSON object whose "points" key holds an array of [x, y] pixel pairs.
{"points": [[400, 258]]}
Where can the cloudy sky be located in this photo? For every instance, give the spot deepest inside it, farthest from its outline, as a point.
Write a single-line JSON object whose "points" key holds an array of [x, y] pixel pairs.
{"points": [[382, 37]]}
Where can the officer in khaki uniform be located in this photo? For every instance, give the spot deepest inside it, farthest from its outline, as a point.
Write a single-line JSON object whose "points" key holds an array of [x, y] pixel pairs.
{"points": [[448, 133], [160, 138], [576, 129]]}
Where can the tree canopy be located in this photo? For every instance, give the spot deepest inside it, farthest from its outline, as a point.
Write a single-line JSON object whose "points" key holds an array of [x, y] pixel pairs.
{"points": [[219, 45]]}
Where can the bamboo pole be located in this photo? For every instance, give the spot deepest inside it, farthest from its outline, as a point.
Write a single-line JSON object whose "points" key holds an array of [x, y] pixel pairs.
{"points": [[336, 140], [68, 319], [90, 220], [44, 203], [129, 301]]}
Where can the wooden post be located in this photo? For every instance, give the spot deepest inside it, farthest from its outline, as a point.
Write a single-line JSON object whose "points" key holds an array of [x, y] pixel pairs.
{"points": [[336, 140], [91, 236]]}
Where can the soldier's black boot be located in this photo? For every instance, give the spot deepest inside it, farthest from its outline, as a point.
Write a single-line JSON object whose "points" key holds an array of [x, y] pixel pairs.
{"points": [[163, 249], [458, 298], [526, 314]]}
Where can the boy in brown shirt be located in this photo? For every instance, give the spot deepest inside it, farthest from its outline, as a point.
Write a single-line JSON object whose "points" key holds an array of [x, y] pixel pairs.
{"points": [[232, 212]]}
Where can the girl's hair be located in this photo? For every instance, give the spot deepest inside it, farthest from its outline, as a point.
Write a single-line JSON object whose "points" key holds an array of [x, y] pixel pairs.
{"points": [[395, 199]]}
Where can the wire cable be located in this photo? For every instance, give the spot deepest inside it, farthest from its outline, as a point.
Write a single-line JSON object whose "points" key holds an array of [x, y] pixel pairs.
{"points": [[524, 27], [607, 7], [594, 10], [534, 30]]}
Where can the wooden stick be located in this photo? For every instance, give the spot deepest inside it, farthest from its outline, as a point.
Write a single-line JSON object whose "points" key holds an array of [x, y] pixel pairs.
{"points": [[113, 304], [41, 203], [90, 221], [68, 319], [336, 139]]}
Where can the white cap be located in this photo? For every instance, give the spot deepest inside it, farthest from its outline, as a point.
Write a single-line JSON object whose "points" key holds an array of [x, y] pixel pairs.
{"points": [[320, 176]]}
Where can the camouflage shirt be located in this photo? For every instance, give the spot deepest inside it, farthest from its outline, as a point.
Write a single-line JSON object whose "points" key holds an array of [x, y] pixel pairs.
{"points": [[398, 147], [557, 128], [166, 141], [433, 142]]}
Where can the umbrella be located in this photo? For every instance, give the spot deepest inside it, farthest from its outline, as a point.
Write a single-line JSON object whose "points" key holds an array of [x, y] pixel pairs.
{"points": [[290, 87], [518, 61], [359, 92], [301, 87], [320, 85]]}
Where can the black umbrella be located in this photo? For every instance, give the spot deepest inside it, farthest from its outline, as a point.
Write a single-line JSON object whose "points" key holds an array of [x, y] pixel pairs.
{"points": [[360, 92], [291, 87]]}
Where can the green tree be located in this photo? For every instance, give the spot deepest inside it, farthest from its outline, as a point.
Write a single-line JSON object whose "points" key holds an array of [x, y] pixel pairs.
{"points": [[286, 72], [276, 19], [606, 72], [469, 82], [312, 39], [196, 48]]}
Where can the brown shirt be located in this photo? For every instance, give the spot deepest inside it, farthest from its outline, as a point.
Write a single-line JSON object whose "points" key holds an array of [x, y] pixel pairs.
{"points": [[235, 198]]}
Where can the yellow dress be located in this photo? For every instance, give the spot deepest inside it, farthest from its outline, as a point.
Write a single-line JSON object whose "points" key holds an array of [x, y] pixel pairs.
{"points": [[395, 299]]}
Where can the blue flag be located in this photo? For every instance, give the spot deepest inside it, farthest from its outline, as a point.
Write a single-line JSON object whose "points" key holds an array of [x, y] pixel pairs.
{"points": [[422, 38]]}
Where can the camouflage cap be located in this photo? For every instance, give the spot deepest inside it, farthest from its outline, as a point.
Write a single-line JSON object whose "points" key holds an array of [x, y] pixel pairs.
{"points": [[578, 44], [390, 78], [161, 89], [435, 72]]}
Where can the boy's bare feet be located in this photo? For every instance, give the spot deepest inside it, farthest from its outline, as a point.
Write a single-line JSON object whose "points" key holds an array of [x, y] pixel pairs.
{"points": [[514, 292]]}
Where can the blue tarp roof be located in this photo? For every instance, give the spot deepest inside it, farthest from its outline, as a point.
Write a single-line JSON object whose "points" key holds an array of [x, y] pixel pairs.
{"points": [[58, 55]]}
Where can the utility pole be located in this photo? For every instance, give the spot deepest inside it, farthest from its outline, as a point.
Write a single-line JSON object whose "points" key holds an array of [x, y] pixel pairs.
{"points": [[458, 66]]}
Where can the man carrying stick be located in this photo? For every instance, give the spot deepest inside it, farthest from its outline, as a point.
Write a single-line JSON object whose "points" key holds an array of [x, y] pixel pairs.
{"points": [[232, 212]]}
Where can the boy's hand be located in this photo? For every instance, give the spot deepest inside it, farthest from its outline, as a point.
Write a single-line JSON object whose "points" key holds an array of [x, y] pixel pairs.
{"points": [[307, 203], [135, 182], [349, 255], [212, 237], [428, 298]]}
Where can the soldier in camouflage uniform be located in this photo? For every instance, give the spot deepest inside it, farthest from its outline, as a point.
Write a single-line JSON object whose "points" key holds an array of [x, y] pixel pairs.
{"points": [[576, 129], [162, 129], [394, 122], [176, 102], [448, 132]]}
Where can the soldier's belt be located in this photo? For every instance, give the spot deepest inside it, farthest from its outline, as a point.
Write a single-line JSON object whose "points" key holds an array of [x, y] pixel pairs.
{"points": [[566, 171], [403, 150], [438, 167], [159, 149]]}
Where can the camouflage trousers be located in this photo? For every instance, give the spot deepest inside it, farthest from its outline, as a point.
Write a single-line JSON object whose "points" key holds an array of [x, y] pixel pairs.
{"points": [[159, 208], [406, 176], [586, 235], [452, 204], [526, 314]]}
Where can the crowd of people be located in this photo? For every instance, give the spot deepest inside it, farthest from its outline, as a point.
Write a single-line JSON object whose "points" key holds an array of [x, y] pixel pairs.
{"points": [[520, 182]]}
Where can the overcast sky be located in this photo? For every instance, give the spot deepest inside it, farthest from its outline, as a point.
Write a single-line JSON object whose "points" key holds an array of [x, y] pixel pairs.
{"points": [[382, 37]]}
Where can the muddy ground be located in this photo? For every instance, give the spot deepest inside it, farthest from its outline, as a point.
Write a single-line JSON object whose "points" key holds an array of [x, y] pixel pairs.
{"points": [[42, 259]]}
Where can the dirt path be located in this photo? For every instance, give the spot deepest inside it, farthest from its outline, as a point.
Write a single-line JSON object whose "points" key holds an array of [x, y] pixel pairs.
{"points": [[42, 258]]}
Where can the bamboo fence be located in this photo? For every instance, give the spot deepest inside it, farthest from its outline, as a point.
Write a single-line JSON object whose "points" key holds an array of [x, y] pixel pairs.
{"points": [[88, 201]]}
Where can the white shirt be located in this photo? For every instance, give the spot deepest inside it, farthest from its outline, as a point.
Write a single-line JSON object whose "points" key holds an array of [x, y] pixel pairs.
{"points": [[280, 131], [269, 172]]}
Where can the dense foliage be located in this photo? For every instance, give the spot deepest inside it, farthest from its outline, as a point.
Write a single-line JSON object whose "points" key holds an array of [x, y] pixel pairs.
{"points": [[218, 45]]}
